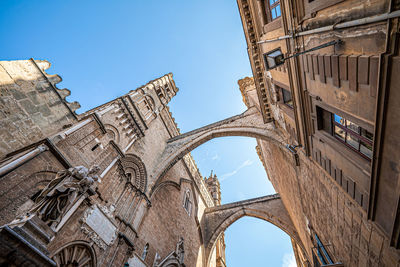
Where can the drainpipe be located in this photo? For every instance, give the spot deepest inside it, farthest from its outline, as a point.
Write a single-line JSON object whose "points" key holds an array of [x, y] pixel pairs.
{"points": [[21, 160], [342, 25]]}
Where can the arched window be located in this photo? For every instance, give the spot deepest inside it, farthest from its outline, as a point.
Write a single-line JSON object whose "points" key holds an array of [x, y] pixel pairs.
{"points": [[146, 107], [161, 95], [187, 204], [145, 251]]}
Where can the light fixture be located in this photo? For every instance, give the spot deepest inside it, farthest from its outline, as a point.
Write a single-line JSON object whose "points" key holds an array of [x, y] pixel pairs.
{"points": [[276, 58]]}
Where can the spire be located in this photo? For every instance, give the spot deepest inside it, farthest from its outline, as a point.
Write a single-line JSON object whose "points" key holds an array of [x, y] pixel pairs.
{"points": [[213, 187]]}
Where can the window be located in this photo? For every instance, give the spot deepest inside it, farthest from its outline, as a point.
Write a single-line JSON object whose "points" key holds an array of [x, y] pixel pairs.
{"points": [[287, 98], [187, 204], [274, 9], [347, 132], [320, 255], [145, 251]]}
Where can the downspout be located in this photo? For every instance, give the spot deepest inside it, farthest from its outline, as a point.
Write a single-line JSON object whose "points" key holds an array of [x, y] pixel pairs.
{"points": [[342, 25], [290, 74], [21, 160]]}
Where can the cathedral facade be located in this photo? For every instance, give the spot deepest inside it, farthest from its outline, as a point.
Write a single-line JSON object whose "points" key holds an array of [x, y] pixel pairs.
{"points": [[77, 190]]}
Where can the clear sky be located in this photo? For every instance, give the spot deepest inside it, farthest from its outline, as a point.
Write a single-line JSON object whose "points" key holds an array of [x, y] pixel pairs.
{"points": [[103, 49]]}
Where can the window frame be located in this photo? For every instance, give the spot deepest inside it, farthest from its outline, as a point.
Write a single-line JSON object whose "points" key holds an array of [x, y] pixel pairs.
{"points": [[269, 9], [187, 203], [284, 101], [321, 253], [283, 106], [321, 123]]}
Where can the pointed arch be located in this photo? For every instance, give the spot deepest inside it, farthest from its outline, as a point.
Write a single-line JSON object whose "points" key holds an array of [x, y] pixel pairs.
{"points": [[248, 124], [268, 208]]}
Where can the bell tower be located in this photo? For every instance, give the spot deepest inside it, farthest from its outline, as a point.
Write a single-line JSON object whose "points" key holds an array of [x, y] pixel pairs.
{"points": [[213, 187]]}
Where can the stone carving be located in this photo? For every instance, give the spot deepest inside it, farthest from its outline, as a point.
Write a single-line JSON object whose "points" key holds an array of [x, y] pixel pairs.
{"points": [[60, 194], [157, 259], [108, 211], [100, 224], [94, 237], [180, 251]]}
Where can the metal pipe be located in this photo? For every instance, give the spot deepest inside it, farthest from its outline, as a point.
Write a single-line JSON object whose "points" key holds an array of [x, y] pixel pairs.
{"points": [[342, 25], [21, 160]]}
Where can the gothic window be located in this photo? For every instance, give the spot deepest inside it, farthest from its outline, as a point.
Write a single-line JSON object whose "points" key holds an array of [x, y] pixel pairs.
{"points": [[187, 204], [347, 132], [145, 251], [76, 254]]}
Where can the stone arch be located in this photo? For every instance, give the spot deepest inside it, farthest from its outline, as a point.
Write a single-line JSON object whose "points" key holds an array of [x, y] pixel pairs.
{"points": [[76, 253], [165, 184], [178, 187], [36, 182], [268, 208], [249, 124], [112, 133], [135, 171]]}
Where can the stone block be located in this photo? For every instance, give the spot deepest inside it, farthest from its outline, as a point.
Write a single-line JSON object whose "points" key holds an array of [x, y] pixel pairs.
{"points": [[17, 94], [28, 106], [44, 110]]}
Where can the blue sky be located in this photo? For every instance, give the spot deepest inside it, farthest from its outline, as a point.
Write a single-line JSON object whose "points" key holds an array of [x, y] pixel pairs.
{"points": [[103, 49]]}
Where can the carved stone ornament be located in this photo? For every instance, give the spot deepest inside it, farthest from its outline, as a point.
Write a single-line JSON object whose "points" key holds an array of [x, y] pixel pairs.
{"points": [[180, 250], [100, 224], [94, 237], [61, 193]]}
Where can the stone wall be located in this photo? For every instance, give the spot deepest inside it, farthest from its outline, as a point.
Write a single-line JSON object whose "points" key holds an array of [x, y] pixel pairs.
{"points": [[124, 137], [31, 107], [315, 201]]}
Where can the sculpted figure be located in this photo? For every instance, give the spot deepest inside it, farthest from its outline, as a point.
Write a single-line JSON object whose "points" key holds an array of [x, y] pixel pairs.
{"points": [[60, 194]]}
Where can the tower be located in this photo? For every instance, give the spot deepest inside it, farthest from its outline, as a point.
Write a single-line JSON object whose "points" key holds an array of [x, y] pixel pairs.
{"points": [[213, 187]]}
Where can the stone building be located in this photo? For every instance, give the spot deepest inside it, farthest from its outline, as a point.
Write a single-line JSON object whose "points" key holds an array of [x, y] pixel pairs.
{"points": [[57, 208], [338, 176], [117, 185]]}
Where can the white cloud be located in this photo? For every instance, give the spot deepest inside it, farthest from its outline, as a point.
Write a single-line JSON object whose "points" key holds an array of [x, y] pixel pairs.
{"points": [[215, 157], [244, 164], [289, 260]]}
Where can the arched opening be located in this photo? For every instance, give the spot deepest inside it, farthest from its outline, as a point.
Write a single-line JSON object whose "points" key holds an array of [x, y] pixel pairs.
{"points": [[247, 124], [242, 176], [249, 237], [237, 166], [273, 229], [75, 254]]}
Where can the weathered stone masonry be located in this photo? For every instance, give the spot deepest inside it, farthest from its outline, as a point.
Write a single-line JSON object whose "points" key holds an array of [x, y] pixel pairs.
{"points": [[149, 206]]}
